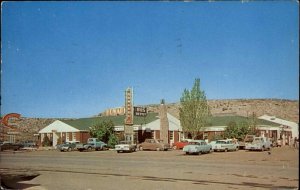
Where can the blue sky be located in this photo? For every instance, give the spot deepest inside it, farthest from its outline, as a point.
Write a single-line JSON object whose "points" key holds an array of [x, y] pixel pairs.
{"points": [[75, 59]]}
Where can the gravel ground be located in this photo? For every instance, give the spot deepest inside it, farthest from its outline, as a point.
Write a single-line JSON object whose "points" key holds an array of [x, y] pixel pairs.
{"points": [[275, 169]]}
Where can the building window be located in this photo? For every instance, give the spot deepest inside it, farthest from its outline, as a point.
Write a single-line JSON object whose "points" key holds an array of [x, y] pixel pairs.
{"points": [[171, 135], [153, 134], [67, 137], [135, 136], [74, 136]]}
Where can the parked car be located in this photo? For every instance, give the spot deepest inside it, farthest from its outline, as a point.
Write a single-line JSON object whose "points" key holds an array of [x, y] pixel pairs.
{"points": [[212, 143], [197, 147], [247, 139], [235, 141], [10, 146], [69, 146], [125, 146], [153, 144], [259, 143], [180, 144], [225, 145], [92, 144], [29, 144]]}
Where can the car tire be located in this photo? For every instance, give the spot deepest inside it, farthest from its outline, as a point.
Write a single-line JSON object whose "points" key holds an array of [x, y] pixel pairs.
{"points": [[186, 153], [157, 149], [225, 150], [174, 147], [89, 148], [69, 149], [141, 148]]}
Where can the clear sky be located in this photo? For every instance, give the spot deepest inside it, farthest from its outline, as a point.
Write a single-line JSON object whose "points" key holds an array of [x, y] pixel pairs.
{"points": [[75, 59]]}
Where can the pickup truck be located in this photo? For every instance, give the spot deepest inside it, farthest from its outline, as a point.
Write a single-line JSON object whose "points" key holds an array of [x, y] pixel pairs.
{"points": [[247, 139], [259, 143], [92, 144]]}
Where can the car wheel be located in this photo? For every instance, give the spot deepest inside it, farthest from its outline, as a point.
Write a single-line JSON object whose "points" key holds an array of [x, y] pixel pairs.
{"points": [[157, 149], [186, 153], [69, 149], [263, 148], [141, 148], [175, 147], [89, 148], [118, 151], [225, 150]]}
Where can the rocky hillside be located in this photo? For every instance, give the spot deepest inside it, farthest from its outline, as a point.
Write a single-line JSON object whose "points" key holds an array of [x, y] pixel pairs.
{"points": [[285, 109]]}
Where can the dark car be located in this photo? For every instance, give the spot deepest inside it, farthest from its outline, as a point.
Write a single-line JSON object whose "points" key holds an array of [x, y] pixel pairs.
{"points": [[10, 146], [69, 146]]}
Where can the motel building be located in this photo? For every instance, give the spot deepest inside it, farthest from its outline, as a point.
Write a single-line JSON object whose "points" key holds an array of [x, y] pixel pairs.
{"points": [[149, 126], [78, 129]]}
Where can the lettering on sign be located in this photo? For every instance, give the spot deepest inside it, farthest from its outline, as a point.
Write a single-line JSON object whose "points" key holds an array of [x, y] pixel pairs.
{"points": [[140, 111], [128, 107]]}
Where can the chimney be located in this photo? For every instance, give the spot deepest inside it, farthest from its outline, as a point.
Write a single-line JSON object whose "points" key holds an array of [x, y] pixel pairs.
{"points": [[164, 122]]}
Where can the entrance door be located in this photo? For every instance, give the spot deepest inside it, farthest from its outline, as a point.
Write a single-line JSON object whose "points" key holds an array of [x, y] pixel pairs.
{"points": [[55, 137]]}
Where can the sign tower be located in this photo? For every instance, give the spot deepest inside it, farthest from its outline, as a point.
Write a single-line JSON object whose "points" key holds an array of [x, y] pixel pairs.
{"points": [[128, 122]]}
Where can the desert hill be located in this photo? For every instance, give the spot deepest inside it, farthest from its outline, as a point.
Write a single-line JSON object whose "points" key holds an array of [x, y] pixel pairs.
{"points": [[284, 109]]}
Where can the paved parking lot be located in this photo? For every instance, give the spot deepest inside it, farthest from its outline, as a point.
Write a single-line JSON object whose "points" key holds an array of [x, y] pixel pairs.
{"points": [[278, 169]]}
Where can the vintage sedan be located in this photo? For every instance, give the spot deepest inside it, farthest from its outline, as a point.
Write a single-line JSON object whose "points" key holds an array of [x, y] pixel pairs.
{"points": [[225, 145], [10, 146], [69, 146], [180, 144], [197, 147], [125, 146], [153, 144]]}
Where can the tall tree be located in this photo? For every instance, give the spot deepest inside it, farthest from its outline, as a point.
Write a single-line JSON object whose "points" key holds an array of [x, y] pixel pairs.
{"points": [[252, 124], [104, 131], [194, 111]]}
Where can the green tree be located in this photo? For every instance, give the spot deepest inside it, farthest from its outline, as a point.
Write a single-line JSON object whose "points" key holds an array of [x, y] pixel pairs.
{"points": [[46, 141], [252, 124], [231, 130], [194, 111], [243, 130], [236, 130], [104, 131]]}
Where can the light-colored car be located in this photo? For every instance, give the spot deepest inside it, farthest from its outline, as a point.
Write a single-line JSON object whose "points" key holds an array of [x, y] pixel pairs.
{"points": [[153, 144], [225, 145], [259, 143], [197, 147], [125, 146]]}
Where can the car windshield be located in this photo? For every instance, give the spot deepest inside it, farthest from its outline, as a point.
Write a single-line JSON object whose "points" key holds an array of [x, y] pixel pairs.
{"points": [[194, 143], [125, 142], [257, 140]]}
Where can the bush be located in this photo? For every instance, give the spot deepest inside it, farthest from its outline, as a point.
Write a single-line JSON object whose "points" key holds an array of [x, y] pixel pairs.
{"points": [[46, 141]]}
